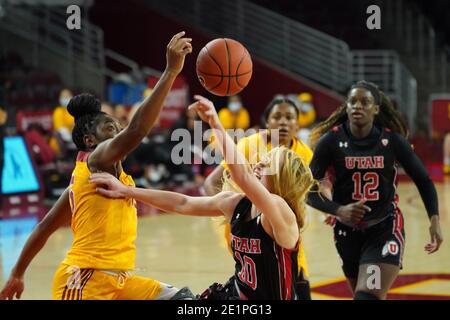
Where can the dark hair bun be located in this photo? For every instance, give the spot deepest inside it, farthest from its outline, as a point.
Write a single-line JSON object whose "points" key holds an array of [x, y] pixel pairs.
{"points": [[83, 104]]}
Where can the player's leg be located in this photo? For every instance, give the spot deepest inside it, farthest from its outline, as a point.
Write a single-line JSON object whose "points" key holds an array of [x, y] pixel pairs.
{"points": [[72, 283], [348, 243], [140, 288], [375, 280], [218, 291], [381, 258]]}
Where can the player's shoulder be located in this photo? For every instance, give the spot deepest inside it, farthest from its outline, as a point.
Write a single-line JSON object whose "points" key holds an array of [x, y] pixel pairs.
{"points": [[393, 134], [227, 202], [331, 134]]}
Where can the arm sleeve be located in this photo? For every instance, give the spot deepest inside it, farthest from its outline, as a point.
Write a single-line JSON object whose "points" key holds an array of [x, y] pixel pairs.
{"points": [[319, 165], [416, 170]]}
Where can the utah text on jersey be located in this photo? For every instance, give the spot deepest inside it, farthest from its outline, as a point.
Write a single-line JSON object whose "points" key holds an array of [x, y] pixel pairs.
{"points": [[368, 162]]}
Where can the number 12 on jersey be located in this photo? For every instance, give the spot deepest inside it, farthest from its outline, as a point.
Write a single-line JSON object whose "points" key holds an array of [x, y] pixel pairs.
{"points": [[365, 186]]}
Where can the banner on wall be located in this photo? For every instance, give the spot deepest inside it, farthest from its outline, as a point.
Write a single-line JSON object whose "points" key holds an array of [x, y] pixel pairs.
{"points": [[440, 113], [176, 102]]}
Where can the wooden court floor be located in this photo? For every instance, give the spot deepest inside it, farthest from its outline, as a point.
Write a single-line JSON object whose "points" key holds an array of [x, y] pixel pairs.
{"points": [[191, 251]]}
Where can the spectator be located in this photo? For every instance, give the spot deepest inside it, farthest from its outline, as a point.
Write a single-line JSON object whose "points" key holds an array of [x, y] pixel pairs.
{"points": [[306, 117], [63, 124], [121, 113], [107, 108], [447, 154], [197, 171], [234, 116]]}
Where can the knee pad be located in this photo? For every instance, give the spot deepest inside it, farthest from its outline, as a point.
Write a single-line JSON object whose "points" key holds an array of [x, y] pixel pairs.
{"points": [[362, 295]]}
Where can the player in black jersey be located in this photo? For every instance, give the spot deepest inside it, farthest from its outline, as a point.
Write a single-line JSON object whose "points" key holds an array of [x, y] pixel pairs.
{"points": [[265, 215], [359, 146]]}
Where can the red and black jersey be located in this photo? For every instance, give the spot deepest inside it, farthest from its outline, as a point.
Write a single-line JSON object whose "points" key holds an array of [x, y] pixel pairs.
{"points": [[367, 168], [263, 269]]}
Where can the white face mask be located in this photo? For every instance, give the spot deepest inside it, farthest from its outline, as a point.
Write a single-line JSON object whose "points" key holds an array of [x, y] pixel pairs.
{"points": [[306, 106], [234, 106], [64, 101]]}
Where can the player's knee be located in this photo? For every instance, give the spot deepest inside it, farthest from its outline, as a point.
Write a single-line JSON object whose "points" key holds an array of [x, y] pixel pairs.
{"points": [[363, 295]]}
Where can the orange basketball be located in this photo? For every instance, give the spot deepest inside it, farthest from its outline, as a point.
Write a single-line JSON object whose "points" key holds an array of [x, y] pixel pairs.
{"points": [[224, 67]]}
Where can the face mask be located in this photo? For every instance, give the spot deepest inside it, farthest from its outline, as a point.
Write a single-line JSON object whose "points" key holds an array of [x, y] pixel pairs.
{"points": [[305, 107], [234, 106], [64, 102]]}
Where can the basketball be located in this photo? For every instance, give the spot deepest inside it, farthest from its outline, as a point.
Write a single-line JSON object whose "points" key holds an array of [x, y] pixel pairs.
{"points": [[224, 67]]}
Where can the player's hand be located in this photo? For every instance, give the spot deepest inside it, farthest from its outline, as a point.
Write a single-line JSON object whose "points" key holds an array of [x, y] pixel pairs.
{"points": [[206, 111], [354, 212], [108, 185], [13, 288], [177, 49], [330, 220], [435, 234]]}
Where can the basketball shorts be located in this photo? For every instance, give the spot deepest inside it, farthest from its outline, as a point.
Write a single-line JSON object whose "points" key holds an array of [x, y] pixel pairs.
{"points": [[71, 283], [381, 243]]}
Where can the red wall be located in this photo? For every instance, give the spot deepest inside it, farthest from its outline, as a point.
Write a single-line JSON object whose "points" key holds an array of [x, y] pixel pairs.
{"points": [[135, 31]]}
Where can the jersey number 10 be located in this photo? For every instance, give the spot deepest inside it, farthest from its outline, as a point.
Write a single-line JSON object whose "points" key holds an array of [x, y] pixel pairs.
{"points": [[370, 180], [248, 270]]}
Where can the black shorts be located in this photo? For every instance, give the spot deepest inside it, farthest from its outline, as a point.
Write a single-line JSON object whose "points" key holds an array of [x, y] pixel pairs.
{"points": [[381, 243]]}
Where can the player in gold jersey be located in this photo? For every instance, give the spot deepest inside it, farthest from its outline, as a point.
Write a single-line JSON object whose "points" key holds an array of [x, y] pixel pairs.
{"points": [[100, 262]]}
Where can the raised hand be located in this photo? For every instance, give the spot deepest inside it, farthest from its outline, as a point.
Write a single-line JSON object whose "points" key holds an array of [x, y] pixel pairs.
{"points": [[206, 111], [177, 49]]}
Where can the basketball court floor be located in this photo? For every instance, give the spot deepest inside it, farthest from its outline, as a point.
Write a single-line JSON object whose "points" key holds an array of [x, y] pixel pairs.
{"points": [[191, 251]]}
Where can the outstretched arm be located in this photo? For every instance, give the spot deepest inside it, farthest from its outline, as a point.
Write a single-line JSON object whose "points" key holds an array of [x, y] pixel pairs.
{"points": [[168, 201], [117, 148], [59, 215], [275, 209], [416, 170]]}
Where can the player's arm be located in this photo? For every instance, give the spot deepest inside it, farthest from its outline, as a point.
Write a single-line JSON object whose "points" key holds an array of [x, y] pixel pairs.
{"points": [[117, 148], [281, 218], [168, 201], [418, 173], [59, 215], [213, 182], [319, 164], [350, 213]]}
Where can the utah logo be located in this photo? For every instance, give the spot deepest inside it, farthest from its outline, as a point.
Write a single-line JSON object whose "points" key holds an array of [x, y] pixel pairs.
{"points": [[391, 247], [384, 142]]}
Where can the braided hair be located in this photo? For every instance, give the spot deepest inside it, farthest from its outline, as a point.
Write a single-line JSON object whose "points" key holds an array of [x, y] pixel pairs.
{"points": [[85, 108], [388, 116]]}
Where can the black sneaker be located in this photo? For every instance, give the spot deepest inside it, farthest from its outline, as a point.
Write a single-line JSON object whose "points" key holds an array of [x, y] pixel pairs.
{"points": [[183, 294]]}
